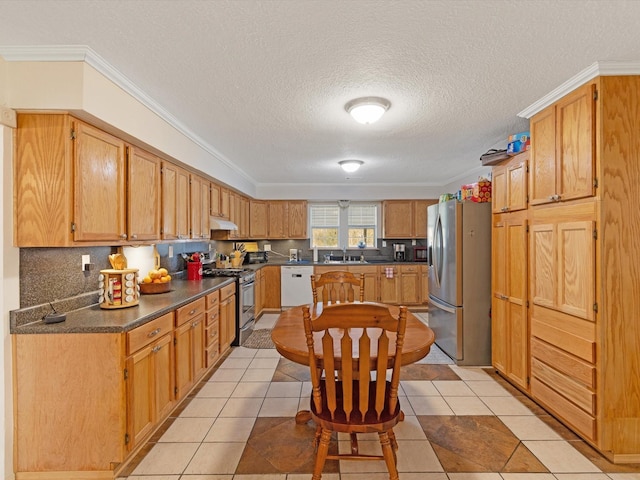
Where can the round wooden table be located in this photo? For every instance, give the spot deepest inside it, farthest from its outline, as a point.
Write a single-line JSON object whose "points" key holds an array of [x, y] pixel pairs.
{"points": [[289, 339]]}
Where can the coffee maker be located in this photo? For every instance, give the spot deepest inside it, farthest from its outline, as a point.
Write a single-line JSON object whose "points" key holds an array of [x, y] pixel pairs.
{"points": [[398, 252]]}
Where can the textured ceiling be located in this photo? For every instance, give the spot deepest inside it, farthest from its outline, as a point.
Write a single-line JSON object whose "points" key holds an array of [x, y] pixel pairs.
{"points": [[264, 83]]}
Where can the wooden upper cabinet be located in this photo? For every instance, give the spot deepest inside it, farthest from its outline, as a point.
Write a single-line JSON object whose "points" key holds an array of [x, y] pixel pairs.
{"points": [[143, 192], [562, 148], [297, 214], [405, 218], [258, 219], [225, 203], [43, 172], [200, 198], [219, 201], [277, 219], [99, 165], [509, 185], [398, 219], [175, 202]]}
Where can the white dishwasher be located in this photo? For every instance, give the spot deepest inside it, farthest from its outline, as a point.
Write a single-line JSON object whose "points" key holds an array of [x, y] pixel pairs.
{"points": [[295, 285]]}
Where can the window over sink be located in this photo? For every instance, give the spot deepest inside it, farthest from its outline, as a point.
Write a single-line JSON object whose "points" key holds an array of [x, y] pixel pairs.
{"points": [[354, 225]]}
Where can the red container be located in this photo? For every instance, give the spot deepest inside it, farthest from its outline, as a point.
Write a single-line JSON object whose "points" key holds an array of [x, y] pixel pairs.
{"points": [[194, 270]]}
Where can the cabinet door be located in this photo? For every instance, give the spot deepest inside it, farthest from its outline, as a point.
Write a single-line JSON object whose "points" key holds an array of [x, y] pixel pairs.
{"points": [[516, 301], [164, 377], [175, 202], [517, 183], [99, 204], [499, 330], [420, 218], [370, 280], [576, 268], [297, 212], [205, 209], [542, 265], [542, 170], [182, 204], [143, 192], [227, 322], [183, 357], [272, 287], [499, 189], [195, 197], [424, 286], [215, 200], [389, 287], [575, 137], [141, 395], [278, 219], [198, 347], [224, 203], [409, 284], [397, 219], [258, 220]]}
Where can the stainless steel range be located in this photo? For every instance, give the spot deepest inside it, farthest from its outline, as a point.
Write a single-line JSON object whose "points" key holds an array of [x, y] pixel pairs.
{"points": [[245, 299]]}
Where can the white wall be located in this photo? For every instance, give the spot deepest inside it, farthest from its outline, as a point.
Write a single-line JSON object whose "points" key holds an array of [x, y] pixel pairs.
{"points": [[9, 295]]}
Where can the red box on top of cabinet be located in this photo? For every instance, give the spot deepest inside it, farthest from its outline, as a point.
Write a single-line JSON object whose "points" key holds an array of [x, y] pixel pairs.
{"points": [[481, 191]]}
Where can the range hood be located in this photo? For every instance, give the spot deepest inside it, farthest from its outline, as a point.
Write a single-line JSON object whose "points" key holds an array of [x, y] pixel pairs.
{"points": [[216, 223]]}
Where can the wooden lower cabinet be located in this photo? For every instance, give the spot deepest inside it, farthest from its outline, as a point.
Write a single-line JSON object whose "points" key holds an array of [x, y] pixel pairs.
{"points": [[189, 345], [227, 316], [389, 285], [509, 316], [212, 328], [410, 282], [150, 377], [271, 292]]}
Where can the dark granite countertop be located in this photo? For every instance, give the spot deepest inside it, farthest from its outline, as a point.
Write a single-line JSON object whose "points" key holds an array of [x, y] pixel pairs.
{"points": [[94, 319]]}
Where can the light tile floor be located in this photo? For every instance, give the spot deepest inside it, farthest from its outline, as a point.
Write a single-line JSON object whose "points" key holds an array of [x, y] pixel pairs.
{"points": [[208, 438]]}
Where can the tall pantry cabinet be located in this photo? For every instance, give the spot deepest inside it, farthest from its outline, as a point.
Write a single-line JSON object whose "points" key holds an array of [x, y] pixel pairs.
{"points": [[583, 249]]}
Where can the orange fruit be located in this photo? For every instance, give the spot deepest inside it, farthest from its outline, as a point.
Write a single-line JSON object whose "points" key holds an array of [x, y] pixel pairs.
{"points": [[164, 279], [154, 274], [168, 277], [147, 279], [157, 280], [163, 272]]}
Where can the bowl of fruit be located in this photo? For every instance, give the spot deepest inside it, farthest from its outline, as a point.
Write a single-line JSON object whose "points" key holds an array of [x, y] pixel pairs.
{"points": [[156, 281]]}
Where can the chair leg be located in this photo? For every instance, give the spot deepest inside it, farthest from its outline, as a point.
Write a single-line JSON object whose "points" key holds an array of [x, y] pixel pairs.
{"points": [[321, 456], [394, 444], [389, 456], [316, 438]]}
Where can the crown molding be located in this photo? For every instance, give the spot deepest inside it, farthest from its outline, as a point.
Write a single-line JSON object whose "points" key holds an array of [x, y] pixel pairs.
{"points": [[84, 53], [597, 69]]}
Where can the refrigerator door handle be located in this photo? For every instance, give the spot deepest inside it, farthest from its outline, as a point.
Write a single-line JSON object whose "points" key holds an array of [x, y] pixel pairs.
{"points": [[441, 305], [437, 250]]}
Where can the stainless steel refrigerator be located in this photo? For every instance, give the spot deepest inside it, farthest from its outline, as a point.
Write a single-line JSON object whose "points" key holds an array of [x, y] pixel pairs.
{"points": [[459, 259]]}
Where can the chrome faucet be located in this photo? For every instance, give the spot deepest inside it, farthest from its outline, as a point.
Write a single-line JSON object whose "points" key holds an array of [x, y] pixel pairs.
{"points": [[344, 254]]}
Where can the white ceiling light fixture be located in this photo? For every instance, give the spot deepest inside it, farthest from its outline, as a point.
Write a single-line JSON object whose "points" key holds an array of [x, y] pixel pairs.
{"points": [[350, 166], [367, 110]]}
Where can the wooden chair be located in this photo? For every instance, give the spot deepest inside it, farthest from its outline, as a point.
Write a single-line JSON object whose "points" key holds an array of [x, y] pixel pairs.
{"points": [[344, 398], [337, 286]]}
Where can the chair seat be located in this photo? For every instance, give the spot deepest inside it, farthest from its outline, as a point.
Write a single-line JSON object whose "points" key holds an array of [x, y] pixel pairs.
{"points": [[341, 423]]}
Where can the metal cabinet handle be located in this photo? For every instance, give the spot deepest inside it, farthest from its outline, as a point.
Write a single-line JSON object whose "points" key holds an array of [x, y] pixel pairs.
{"points": [[195, 324], [192, 311], [123, 236], [156, 349], [154, 333], [134, 236]]}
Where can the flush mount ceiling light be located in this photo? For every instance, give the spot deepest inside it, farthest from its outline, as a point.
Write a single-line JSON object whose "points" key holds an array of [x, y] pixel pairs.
{"points": [[350, 166], [367, 109]]}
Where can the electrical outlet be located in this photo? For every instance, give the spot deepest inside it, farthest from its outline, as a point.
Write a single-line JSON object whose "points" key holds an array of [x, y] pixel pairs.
{"points": [[170, 251], [413, 242], [267, 247], [86, 260], [384, 244]]}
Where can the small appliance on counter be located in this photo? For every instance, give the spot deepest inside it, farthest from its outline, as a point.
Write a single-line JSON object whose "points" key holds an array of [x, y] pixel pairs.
{"points": [[293, 255], [419, 254], [256, 257], [399, 252]]}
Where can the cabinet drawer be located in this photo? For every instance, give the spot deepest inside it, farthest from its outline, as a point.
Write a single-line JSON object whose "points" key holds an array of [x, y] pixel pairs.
{"points": [[575, 417], [212, 355], [568, 333], [564, 385], [212, 316], [212, 300], [211, 335], [147, 333], [571, 366], [409, 268], [189, 311], [226, 292]]}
